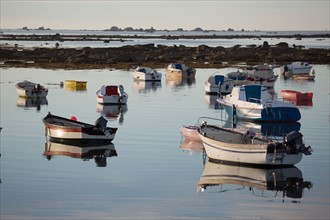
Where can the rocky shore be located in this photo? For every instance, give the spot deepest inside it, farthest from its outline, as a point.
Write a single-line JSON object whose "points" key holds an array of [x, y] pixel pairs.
{"points": [[159, 56]]}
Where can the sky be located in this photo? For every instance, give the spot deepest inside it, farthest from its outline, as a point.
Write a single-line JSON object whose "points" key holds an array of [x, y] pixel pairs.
{"points": [[209, 14]]}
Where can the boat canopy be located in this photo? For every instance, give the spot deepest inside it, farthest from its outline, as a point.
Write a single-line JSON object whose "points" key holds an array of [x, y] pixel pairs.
{"points": [[219, 79]]}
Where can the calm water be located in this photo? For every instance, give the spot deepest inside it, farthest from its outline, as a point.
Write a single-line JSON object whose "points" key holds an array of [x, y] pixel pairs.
{"points": [[151, 176], [306, 42]]}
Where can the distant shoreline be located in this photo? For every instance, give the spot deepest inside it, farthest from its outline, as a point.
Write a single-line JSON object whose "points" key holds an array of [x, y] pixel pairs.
{"points": [[103, 37]]}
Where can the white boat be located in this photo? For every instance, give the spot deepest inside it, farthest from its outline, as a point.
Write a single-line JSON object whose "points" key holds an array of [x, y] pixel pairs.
{"points": [[146, 74], [260, 181], [31, 89], [190, 132], [262, 74], [111, 94], [254, 102], [217, 83], [73, 131], [237, 77], [84, 151], [297, 67], [242, 145], [180, 70]]}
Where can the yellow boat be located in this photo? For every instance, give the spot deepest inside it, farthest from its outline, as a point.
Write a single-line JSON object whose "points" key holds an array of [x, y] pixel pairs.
{"points": [[72, 85]]}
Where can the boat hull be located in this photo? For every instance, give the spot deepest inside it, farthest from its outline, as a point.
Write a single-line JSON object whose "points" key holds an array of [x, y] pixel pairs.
{"points": [[31, 90], [190, 132], [258, 154], [67, 130]]}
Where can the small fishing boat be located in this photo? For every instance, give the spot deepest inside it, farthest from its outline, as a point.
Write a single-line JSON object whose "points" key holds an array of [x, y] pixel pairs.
{"points": [[268, 82], [254, 103], [146, 74], [237, 77], [111, 94], [31, 90], [260, 181], [180, 70], [190, 132], [71, 130], [84, 151], [296, 95], [217, 83], [243, 145], [296, 68], [262, 74]]}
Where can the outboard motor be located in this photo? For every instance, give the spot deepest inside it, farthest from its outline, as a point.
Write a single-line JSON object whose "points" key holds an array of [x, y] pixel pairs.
{"points": [[101, 123], [295, 141]]}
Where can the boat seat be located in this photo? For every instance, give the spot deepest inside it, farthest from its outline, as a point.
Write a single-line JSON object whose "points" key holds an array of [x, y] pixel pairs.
{"points": [[111, 90]]}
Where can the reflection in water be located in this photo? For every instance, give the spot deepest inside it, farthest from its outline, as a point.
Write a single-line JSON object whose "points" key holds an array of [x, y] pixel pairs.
{"points": [[179, 81], [212, 101], [31, 102], [300, 102], [192, 146], [146, 86], [112, 112], [221, 178], [83, 151]]}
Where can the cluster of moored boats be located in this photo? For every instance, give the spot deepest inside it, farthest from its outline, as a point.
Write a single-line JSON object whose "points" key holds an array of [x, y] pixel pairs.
{"points": [[63, 131], [242, 93], [245, 96]]}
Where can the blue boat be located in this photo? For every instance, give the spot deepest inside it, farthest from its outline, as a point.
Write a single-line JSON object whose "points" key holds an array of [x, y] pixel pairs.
{"points": [[255, 103]]}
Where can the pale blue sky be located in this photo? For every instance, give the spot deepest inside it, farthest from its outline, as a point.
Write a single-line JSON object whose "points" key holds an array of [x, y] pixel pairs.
{"points": [[169, 14]]}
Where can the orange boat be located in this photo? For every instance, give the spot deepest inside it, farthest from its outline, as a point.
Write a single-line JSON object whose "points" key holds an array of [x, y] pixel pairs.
{"points": [[297, 96]]}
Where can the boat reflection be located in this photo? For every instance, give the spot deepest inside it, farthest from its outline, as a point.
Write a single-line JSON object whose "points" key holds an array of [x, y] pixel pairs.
{"points": [[300, 103], [263, 182], [112, 112], [31, 102], [178, 81], [85, 152], [212, 101], [146, 86], [192, 146]]}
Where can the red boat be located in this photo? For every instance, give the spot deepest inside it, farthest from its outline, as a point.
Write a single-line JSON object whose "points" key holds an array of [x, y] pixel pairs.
{"points": [[296, 96]]}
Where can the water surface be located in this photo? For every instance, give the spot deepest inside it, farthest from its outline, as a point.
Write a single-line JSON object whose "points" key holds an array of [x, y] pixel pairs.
{"points": [[150, 176]]}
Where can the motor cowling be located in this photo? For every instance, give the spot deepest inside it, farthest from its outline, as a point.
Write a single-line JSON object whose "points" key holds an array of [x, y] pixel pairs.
{"points": [[295, 141], [101, 123]]}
